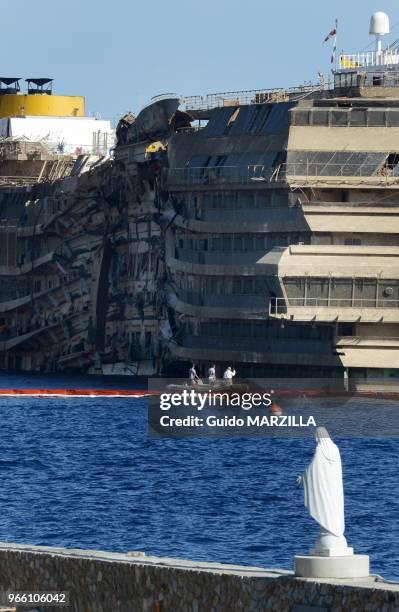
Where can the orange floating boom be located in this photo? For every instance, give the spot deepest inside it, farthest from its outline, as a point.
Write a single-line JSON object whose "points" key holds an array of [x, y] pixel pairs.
{"points": [[132, 393]]}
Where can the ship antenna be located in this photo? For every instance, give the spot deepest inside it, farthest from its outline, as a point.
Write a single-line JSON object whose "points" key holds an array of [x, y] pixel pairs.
{"points": [[379, 27]]}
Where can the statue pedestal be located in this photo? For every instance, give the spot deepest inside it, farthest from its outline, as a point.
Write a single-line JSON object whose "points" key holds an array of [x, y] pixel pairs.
{"points": [[332, 558], [332, 552], [348, 566]]}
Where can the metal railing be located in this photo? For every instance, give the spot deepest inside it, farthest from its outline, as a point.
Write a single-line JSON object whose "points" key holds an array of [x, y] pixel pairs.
{"points": [[382, 174], [189, 130], [371, 58], [101, 148], [249, 96], [282, 305], [18, 181], [236, 300], [11, 147], [309, 171], [260, 173], [367, 338], [221, 174]]}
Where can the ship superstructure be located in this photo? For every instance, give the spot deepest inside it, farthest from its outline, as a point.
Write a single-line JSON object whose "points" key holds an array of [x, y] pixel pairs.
{"points": [[258, 229]]}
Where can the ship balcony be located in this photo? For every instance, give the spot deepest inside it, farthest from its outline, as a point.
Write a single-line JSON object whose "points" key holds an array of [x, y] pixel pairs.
{"points": [[258, 345], [219, 258], [15, 338], [222, 310], [251, 176], [276, 356], [331, 310], [308, 173], [238, 221], [213, 300], [368, 351], [300, 173]]}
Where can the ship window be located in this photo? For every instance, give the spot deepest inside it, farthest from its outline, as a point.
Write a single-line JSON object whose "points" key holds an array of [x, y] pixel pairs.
{"points": [[393, 119], [301, 118], [341, 291], [237, 286], [280, 240], [358, 117], [353, 242], [320, 117], [318, 289], [388, 291], [213, 202], [226, 243], [238, 243], [279, 199], [278, 119], [217, 124], [259, 285], [259, 243], [248, 243], [213, 285], [339, 118], [392, 161], [217, 244], [229, 201], [376, 118], [216, 328], [249, 285], [246, 200], [349, 79], [295, 288], [219, 160], [346, 329], [262, 200]]}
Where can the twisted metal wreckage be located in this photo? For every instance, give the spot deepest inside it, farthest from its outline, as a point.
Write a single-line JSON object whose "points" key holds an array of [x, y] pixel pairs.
{"points": [[82, 260]]}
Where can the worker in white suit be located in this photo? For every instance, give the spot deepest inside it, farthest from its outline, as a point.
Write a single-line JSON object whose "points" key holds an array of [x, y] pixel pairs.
{"points": [[228, 376], [212, 375]]}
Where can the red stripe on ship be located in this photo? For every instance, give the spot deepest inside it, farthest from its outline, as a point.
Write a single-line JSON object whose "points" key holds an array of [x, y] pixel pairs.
{"points": [[75, 392]]}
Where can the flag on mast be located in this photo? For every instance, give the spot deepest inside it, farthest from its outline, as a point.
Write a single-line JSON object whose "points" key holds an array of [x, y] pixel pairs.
{"points": [[333, 34]]}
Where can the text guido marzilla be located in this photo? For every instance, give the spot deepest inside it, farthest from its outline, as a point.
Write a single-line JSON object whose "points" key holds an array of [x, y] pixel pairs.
{"points": [[234, 421]]}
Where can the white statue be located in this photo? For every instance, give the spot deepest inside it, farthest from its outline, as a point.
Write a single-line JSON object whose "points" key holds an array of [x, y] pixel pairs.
{"points": [[324, 496]]}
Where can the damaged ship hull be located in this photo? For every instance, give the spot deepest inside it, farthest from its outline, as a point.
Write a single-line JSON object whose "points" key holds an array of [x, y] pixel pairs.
{"points": [[231, 233]]}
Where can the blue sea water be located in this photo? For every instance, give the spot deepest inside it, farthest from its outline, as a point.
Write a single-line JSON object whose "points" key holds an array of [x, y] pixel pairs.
{"points": [[83, 473]]}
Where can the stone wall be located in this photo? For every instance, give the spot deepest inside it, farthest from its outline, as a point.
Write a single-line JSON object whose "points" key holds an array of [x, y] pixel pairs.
{"points": [[102, 582]]}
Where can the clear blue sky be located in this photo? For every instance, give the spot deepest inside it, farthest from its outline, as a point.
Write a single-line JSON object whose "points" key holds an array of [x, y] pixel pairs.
{"points": [[119, 53]]}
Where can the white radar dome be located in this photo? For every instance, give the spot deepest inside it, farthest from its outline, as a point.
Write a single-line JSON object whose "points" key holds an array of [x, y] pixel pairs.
{"points": [[379, 24]]}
